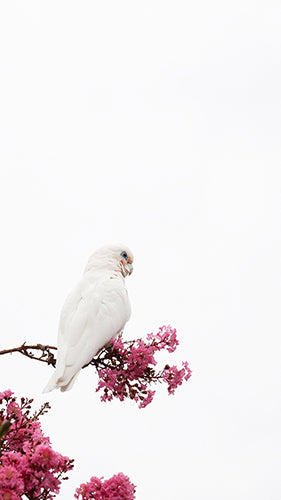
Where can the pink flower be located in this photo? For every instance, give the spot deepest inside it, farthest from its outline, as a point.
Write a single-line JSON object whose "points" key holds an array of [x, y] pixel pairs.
{"points": [[11, 481], [126, 369], [28, 464], [5, 394], [165, 338], [44, 457], [147, 400], [6, 494], [117, 487], [188, 371], [174, 377]]}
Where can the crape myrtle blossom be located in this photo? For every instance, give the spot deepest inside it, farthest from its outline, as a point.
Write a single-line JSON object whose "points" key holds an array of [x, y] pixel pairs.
{"points": [[118, 487], [126, 368], [28, 464], [30, 468]]}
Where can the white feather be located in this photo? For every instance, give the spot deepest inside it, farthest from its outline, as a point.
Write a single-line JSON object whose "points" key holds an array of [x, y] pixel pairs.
{"points": [[94, 312]]}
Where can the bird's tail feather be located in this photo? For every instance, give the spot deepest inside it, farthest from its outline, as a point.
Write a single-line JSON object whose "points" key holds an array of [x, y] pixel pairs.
{"points": [[67, 386], [52, 384], [64, 380]]}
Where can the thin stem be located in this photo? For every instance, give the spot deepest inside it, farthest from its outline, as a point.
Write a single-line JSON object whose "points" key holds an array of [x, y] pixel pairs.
{"points": [[103, 360], [46, 355]]}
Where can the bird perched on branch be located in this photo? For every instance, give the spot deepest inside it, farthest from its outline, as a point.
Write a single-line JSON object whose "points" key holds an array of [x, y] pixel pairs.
{"points": [[95, 311]]}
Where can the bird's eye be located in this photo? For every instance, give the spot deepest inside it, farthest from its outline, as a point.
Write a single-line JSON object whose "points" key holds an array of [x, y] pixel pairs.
{"points": [[124, 255]]}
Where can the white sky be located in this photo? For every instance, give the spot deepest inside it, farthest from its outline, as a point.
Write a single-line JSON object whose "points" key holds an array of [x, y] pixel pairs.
{"points": [[157, 124]]}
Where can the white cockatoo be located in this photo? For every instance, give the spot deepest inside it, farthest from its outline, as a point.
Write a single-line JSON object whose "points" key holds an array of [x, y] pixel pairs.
{"points": [[94, 312]]}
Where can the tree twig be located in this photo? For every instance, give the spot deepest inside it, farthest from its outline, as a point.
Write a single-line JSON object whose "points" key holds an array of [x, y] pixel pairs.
{"points": [[47, 356]]}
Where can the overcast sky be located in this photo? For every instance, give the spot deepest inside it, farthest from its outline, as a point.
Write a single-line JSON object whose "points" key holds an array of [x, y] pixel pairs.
{"points": [[157, 124]]}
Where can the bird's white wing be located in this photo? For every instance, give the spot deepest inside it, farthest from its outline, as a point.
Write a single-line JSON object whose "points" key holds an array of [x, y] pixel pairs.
{"points": [[91, 316]]}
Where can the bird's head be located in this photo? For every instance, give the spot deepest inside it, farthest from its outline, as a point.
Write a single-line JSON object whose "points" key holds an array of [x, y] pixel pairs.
{"points": [[119, 257], [126, 261]]}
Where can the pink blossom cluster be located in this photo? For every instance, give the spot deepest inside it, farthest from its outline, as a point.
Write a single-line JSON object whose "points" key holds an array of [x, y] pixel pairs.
{"points": [[118, 487], [165, 338], [175, 377], [126, 368], [28, 464]]}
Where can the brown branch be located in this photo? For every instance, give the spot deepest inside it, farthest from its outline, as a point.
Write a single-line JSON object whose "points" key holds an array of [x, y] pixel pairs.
{"points": [[46, 355], [104, 359]]}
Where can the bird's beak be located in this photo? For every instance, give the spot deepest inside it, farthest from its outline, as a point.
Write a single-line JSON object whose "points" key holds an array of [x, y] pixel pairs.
{"points": [[126, 268], [130, 267]]}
